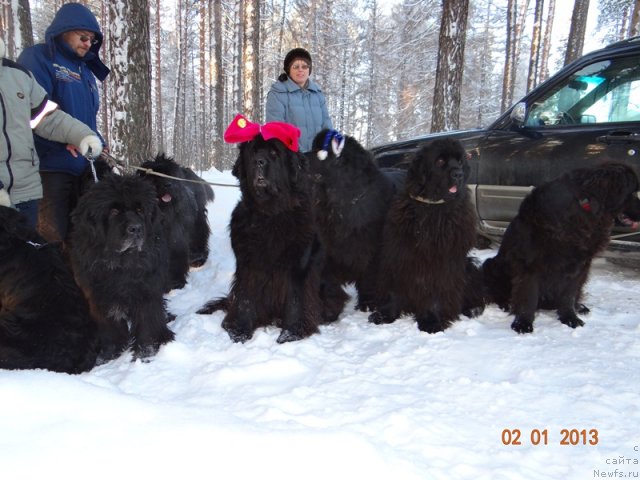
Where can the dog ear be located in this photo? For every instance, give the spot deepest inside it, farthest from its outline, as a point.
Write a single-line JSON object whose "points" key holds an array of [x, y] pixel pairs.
{"points": [[238, 170], [298, 166]]}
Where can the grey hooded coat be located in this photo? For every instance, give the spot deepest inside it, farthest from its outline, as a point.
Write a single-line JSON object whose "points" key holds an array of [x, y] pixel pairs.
{"points": [[23, 100]]}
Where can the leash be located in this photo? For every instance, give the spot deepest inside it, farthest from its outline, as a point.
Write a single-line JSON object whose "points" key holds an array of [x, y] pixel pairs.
{"points": [[115, 163], [92, 162]]}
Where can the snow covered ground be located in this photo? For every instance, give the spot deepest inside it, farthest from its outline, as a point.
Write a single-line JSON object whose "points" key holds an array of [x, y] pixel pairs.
{"points": [[357, 401]]}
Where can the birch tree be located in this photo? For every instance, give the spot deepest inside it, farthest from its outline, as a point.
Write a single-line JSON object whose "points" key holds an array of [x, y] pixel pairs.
{"points": [[130, 101], [250, 58], [446, 98], [15, 26]]}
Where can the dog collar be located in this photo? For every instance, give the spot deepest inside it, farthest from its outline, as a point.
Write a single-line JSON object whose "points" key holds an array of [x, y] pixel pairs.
{"points": [[420, 199], [242, 130]]}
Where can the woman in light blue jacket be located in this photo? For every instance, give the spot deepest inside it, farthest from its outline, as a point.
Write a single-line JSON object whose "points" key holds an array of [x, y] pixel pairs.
{"points": [[298, 100]]}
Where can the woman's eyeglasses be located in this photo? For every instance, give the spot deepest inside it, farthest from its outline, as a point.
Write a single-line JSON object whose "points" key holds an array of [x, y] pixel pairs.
{"points": [[86, 38], [300, 66]]}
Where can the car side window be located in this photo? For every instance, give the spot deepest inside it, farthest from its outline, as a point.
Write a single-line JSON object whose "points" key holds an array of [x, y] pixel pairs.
{"points": [[603, 92]]}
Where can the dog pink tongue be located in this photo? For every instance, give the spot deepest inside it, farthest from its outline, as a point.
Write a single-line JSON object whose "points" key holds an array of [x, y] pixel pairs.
{"points": [[453, 189], [166, 198]]}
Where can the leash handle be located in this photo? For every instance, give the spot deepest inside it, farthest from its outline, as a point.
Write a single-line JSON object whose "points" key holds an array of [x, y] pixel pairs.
{"points": [[92, 162]]}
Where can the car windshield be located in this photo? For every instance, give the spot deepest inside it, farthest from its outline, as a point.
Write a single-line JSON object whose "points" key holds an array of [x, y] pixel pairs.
{"points": [[603, 92]]}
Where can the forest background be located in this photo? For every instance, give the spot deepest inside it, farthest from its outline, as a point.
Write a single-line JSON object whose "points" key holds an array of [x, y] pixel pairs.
{"points": [[182, 69]]}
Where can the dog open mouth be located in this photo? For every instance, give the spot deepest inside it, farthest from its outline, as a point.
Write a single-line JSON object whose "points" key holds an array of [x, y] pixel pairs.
{"points": [[453, 189], [166, 198]]}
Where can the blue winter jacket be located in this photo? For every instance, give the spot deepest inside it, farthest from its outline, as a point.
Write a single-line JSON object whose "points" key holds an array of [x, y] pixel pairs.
{"points": [[305, 108], [69, 80]]}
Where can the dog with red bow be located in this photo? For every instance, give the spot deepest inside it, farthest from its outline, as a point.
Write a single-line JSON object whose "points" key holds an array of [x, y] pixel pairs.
{"points": [[279, 257]]}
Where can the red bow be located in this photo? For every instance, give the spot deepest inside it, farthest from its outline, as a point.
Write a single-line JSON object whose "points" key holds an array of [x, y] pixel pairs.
{"points": [[242, 130]]}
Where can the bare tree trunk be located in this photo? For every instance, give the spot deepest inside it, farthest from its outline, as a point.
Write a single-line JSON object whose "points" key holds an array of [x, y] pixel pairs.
{"points": [[484, 65], [282, 28], [219, 86], [507, 77], [26, 30], [131, 77], [577, 31], [201, 105], [372, 74], [251, 60], [106, 53], [239, 100], [534, 57], [158, 82], [546, 43], [515, 26], [179, 109], [634, 27], [446, 98]]}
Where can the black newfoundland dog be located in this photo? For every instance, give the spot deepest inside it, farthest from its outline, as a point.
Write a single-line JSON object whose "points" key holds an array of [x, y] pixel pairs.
{"points": [[44, 319], [119, 259], [352, 197], [278, 254], [429, 230], [184, 208], [546, 253]]}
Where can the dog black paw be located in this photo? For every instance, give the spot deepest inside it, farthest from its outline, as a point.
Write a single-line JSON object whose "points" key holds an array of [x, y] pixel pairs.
{"points": [[572, 321], [237, 335], [289, 336], [364, 306], [431, 326], [379, 318], [582, 309], [145, 352], [473, 312], [520, 325], [214, 306]]}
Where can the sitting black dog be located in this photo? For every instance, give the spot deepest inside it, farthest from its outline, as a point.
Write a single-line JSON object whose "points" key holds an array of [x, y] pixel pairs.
{"points": [[429, 230], [352, 197], [279, 257], [547, 250], [119, 257], [184, 216], [44, 318]]}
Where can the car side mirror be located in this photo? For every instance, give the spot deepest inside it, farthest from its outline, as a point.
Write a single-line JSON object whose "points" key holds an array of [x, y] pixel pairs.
{"points": [[519, 114]]}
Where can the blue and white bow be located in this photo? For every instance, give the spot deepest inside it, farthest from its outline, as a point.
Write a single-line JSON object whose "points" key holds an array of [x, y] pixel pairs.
{"points": [[334, 139]]}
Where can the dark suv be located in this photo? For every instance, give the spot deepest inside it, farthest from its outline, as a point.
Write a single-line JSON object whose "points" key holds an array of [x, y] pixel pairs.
{"points": [[587, 113]]}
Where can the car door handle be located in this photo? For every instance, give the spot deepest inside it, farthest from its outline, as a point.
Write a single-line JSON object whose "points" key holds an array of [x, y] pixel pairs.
{"points": [[621, 136]]}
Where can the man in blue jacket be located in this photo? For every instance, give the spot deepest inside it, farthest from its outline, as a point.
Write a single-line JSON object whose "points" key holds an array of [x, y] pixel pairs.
{"points": [[66, 65]]}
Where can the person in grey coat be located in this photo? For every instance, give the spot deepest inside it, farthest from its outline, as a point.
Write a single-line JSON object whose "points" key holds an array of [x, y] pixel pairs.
{"points": [[24, 107], [298, 100]]}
